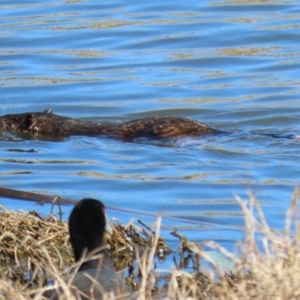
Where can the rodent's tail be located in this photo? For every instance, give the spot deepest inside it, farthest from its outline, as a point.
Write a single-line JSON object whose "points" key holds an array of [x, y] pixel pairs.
{"points": [[279, 135]]}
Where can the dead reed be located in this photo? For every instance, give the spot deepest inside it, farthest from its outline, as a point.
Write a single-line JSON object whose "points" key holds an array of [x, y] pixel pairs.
{"points": [[35, 251]]}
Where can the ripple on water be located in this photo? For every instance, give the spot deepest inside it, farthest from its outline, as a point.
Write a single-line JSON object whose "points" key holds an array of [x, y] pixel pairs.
{"points": [[231, 64]]}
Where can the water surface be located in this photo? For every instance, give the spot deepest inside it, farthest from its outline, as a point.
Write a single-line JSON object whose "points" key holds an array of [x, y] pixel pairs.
{"points": [[231, 64]]}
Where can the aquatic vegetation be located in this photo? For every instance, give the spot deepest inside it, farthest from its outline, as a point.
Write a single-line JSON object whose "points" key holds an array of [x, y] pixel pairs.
{"points": [[35, 251]]}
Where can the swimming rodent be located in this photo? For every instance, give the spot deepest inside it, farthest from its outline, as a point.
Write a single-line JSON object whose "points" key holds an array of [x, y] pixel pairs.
{"points": [[47, 125], [96, 276]]}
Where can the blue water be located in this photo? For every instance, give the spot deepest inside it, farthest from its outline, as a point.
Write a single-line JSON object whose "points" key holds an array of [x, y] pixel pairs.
{"points": [[231, 64]]}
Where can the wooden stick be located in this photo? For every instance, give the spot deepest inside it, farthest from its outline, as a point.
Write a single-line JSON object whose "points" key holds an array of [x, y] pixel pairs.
{"points": [[28, 196]]}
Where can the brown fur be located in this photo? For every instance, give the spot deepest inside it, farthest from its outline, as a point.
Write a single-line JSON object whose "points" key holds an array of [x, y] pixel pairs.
{"points": [[51, 126]]}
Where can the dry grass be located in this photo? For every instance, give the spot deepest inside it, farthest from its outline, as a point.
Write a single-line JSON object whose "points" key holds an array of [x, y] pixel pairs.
{"points": [[34, 250]]}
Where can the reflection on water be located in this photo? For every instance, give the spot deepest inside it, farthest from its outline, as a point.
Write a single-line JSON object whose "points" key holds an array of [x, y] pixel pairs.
{"points": [[230, 64]]}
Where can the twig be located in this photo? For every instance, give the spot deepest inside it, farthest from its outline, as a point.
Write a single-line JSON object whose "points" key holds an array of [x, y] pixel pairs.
{"points": [[28, 196]]}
